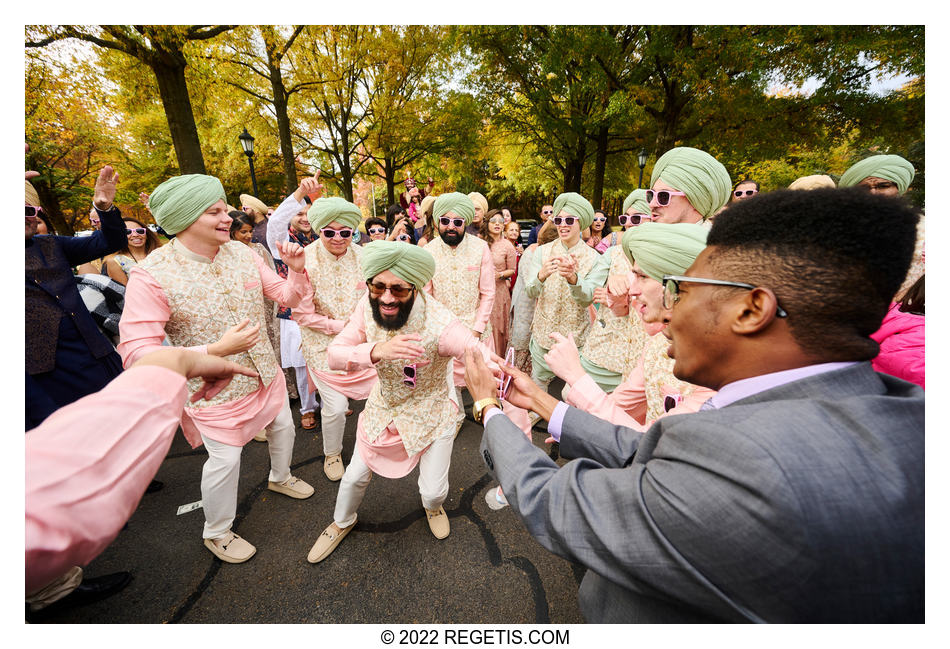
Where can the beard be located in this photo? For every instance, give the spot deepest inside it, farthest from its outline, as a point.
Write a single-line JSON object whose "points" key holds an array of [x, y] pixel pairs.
{"points": [[394, 322], [452, 237]]}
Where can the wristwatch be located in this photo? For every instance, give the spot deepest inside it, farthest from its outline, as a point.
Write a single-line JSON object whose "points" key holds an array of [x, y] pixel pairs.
{"points": [[482, 405]]}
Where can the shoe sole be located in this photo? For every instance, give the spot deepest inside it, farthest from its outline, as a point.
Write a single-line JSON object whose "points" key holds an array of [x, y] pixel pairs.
{"points": [[224, 557], [330, 548], [276, 488], [492, 501]]}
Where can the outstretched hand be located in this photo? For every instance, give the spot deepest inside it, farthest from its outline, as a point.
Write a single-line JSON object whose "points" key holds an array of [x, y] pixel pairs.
{"points": [[216, 371], [311, 187], [291, 254], [564, 359], [479, 379]]}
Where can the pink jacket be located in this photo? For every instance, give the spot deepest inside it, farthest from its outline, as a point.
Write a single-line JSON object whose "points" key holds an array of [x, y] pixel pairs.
{"points": [[901, 338]]}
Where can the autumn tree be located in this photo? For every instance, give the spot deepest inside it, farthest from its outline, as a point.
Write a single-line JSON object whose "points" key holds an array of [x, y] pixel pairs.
{"points": [[161, 48]]}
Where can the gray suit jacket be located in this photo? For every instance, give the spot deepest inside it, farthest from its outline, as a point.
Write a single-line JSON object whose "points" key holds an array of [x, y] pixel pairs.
{"points": [[804, 503]]}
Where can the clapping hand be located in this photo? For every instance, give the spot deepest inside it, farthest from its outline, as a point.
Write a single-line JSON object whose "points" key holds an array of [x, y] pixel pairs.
{"points": [[564, 359]]}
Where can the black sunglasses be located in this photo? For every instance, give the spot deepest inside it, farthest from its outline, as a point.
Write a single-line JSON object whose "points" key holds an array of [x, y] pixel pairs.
{"points": [[566, 220], [33, 211], [376, 289], [446, 221]]}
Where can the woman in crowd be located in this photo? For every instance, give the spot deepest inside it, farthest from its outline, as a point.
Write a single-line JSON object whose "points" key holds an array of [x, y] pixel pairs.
{"points": [[375, 229], [505, 259], [399, 225], [901, 337], [141, 241], [601, 236], [425, 226], [513, 234]]}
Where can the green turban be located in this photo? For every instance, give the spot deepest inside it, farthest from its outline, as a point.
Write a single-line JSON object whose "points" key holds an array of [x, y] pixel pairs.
{"points": [[638, 200], [457, 203], [888, 167], [664, 248], [179, 201], [575, 205], [327, 210], [406, 261], [700, 176]]}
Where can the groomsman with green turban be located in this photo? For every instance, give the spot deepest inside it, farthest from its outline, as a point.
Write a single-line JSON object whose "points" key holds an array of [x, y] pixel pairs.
{"points": [[206, 293], [687, 186]]}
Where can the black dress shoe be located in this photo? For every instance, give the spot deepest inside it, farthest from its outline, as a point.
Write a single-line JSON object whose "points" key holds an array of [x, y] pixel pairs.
{"points": [[153, 486], [88, 591]]}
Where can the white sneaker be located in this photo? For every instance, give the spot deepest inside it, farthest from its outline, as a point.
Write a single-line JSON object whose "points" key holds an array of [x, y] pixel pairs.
{"points": [[495, 499]]}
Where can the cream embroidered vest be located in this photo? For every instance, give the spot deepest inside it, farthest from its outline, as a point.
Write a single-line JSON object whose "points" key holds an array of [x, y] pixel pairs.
{"points": [[457, 272], [658, 376], [556, 310], [338, 286], [615, 343], [206, 298], [422, 413]]}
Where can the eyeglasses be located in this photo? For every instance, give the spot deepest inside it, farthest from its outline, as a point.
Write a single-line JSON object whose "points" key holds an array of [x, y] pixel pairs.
{"points": [[566, 220], [376, 289], [671, 289], [330, 233], [446, 221], [377, 230], [879, 187], [135, 230], [32, 210], [547, 211], [497, 219], [409, 375], [634, 219], [600, 218], [739, 193], [662, 197], [403, 237]]}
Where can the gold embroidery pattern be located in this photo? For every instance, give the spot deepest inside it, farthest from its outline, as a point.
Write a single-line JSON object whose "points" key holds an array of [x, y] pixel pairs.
{"points": [[423, 413], [617, 345], [556, 310], [658, 374], [457, 273], [206, 300], [335, 294]]}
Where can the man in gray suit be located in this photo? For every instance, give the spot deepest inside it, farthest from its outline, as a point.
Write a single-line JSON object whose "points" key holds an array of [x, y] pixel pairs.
{"points": [[797, 496]]}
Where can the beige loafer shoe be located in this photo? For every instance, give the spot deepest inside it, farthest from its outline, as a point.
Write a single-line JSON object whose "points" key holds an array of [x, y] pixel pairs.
{"points": [[231, 548], [333, 467], [327, 542], [261, 436], [438, 522], [293, 487]]}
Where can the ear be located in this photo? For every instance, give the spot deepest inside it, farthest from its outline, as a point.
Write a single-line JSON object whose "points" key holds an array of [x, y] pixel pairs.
{"points": [[755, 310]]}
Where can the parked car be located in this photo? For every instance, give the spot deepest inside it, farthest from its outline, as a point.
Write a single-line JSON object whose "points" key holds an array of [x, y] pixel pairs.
{"points": [[526, 225]]}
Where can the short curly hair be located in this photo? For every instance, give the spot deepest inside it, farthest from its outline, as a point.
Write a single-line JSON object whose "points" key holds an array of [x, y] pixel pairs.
{"points": [[833, 257]]}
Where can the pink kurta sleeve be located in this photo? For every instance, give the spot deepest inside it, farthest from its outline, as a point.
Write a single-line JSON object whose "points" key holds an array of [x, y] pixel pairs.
{"points": [[486, 291], [349, 351], [142, 327], [625, 406], [88, 465], [305, 315], [457, 338], [286, 292]]}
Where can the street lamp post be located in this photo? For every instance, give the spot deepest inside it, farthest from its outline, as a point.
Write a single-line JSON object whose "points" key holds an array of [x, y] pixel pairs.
{"points": [[247, 143], [642, 160]]}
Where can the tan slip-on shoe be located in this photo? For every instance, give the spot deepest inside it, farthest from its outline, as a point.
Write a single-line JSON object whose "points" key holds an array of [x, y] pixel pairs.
{"points": [[333, 467], [438, 522], [293, 487], [231, 548], [327, 542], [261, 436]]}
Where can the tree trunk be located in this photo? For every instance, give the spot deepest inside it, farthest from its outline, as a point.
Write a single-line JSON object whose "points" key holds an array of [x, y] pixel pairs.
{"points": [[600, 167], [51, 206], [390, 174], [173, 91], [283, 128]]}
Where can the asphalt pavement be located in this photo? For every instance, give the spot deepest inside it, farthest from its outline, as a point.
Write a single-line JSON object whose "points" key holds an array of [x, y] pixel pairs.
{"points": [[390, 569]]}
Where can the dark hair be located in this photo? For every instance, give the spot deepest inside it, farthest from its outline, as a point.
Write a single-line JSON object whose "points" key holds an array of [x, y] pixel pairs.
{"points": [[913, 299], [151, 239], [239, 219], [374, 220], [391, 213], [606, 230], [483, 232], [833, 257], [45, 219], [745, 182]]}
